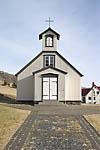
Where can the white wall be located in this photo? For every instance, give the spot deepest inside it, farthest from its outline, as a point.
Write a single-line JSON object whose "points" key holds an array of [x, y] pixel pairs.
{"points": [[69, 85], [25, 80], [73, 81]]}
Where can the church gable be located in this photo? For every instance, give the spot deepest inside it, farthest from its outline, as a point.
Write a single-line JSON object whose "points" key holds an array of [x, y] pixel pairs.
{"points": [[49, 76], [38, 63]]}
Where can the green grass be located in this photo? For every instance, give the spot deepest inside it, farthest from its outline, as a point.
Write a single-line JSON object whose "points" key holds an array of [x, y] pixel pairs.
{"points": [[10, 121]]}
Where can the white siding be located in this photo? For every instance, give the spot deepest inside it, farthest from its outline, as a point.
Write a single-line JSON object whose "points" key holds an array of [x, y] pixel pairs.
{"points": [[73, 81], [73, 86], [29, 87]]}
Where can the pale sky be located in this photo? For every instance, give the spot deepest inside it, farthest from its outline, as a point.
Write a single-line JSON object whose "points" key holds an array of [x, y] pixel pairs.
{"points": [[77, 21]]}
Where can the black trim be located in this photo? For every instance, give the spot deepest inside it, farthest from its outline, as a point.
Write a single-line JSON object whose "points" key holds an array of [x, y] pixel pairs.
{"points": [[48, 52], [69, 63], [20, 100], [28, 64], [42, 90], [58, 35], [49, 75], [49, 67]]}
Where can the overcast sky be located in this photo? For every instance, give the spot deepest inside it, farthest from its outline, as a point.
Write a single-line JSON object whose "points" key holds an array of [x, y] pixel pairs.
{"points": [[77, 21]]}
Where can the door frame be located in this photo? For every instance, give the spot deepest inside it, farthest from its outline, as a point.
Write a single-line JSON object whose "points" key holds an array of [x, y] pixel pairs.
{"points": [[49, 75]]}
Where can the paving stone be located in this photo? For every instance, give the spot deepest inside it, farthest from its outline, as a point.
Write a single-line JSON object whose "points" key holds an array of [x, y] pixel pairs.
{"points": [[57, 127]]}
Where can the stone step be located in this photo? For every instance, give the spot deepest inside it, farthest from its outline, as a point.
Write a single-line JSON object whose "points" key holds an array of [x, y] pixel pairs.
{"points": [[50, 102]]}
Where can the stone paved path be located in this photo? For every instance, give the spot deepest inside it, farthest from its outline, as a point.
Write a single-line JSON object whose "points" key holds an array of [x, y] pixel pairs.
{"points": [[56, 127]]}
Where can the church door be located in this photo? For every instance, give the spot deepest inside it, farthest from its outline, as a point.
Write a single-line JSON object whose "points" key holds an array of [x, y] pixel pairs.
{"points": [[49, 88]]}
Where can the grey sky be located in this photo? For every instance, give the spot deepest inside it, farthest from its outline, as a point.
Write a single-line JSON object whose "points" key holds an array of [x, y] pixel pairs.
{"points": [[77, 21]]}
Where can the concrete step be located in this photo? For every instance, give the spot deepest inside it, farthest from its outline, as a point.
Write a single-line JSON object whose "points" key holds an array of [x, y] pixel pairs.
{"points": [[50, 102]]}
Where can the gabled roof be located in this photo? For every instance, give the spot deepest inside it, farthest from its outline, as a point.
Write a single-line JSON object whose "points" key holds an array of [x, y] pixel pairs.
{"points": [[69, 64], [49, 67], [98, 87], [49, 29], [85, 91], [48, 52], [28, 64]]}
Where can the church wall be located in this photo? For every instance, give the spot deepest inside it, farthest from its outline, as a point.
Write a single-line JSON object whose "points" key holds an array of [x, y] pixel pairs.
{"points": [[73, 81], [25, 89], [73, 86], [59, 63], [68, 85], [25, 86], [61, 87]]}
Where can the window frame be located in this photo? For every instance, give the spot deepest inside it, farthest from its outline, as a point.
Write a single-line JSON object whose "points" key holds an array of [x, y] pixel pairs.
{"points": [[51, 36], [44, 60]]}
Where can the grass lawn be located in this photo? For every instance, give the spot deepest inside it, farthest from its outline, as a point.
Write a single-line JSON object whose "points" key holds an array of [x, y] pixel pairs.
{"points": [[10, 121], [94, 120]]}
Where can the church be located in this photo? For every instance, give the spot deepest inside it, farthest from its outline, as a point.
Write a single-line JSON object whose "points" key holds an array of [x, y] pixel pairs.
{"points": [[49, 76]]}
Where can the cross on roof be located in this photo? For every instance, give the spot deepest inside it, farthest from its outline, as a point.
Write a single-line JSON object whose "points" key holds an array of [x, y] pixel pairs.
{"points": [[49, 21]]}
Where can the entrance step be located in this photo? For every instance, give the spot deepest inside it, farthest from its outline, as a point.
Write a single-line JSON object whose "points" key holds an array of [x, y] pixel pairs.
{"points": [[50, 102]]}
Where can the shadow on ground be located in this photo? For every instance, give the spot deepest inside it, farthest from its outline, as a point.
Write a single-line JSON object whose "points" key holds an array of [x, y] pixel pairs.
{"points": [[8, 99]]}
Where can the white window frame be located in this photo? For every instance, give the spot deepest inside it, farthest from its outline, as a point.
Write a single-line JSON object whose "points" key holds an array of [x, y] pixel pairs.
{"points": [[49, 41]]}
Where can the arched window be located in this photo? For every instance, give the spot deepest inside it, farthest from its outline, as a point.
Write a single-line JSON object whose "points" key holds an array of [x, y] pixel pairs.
{"points": [[49, 41]]}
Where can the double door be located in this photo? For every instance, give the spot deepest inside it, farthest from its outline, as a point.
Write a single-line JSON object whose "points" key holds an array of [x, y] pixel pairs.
{"points": [[49, 88]]}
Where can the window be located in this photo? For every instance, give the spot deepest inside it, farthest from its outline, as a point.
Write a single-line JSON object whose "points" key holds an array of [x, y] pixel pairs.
{"points": [[49, 61], [94, 98], [46, 61], [49, 41], [52, 61], [97, 92], [89, 98]]}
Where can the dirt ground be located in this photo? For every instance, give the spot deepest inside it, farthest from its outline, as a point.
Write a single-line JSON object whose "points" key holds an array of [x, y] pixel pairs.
{"points": [[7, 90], [10, 121], [94, 120]]}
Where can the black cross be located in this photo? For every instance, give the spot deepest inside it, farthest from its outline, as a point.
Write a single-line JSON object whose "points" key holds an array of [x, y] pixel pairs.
{"points": [[49, 21]]}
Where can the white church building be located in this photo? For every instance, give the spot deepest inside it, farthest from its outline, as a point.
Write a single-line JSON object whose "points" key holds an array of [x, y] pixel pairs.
{"points": [[49, 76]]}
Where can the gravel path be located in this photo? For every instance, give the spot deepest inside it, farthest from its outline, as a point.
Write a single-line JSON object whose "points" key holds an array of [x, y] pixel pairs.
{"points": [[56, 127]]}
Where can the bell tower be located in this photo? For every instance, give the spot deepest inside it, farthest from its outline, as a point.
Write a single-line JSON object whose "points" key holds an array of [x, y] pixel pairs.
{"points": [[49, 39]]}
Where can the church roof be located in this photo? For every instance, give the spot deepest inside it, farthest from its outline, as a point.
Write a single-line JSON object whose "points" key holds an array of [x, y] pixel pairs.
{"points": [[48, 52], [49, 29]]}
